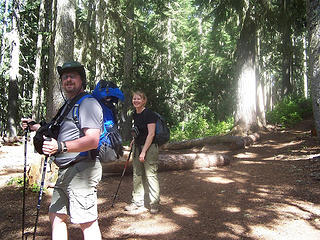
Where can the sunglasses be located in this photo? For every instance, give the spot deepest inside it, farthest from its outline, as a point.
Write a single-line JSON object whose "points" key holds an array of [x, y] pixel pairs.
{"points": [[70, 75]]}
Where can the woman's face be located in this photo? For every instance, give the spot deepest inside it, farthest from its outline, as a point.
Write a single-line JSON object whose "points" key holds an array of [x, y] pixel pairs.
{"points": [[138, 101]]}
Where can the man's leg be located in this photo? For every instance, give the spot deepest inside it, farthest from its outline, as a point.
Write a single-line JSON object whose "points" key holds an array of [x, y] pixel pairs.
{"points": [[59, 226], [91, 230]]}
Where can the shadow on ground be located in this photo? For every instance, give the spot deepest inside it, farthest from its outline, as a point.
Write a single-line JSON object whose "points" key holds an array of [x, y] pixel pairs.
{"points": [[266, 193]]}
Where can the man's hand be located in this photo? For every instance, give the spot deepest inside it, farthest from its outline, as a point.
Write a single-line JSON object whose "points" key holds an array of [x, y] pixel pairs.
{"points": [[30, 124], [50, 146]]}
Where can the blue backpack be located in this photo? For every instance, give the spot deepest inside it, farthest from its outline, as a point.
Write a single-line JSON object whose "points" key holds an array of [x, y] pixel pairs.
{"points": [[110, 143]]}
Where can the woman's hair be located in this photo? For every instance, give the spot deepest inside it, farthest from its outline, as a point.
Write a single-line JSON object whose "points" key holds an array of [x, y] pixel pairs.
{"points": [[141, 94]]}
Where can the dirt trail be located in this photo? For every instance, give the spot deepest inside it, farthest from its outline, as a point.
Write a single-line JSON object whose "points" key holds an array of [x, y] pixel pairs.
{"points": [[267, 192]]}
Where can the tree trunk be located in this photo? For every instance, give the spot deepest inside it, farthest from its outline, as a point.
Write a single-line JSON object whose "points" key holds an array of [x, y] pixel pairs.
{"points": [[99, 43], [260, 87], [246, 115], [313, 20], [14, 73], [306, 82], [167, 162], [4, 34], [64, 25], [128, 70], [234, 142], [86, 35], [37, 73], [173, 162], [286, 51]]}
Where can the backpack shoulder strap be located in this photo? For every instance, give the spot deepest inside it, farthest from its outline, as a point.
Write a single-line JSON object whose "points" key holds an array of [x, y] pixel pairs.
{"points": [[75, 112], [59, 117]]}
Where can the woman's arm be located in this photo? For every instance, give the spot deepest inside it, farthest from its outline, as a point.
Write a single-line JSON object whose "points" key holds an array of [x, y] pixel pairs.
{"points": [[148, 142]]}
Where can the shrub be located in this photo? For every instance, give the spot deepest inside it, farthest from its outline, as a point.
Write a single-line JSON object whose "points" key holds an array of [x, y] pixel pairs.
{"points": [[290, 111], [199, 127]]}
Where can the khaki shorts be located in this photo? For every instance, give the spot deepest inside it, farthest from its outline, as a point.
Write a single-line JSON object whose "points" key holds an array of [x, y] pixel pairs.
{"points": [[75, 192]]}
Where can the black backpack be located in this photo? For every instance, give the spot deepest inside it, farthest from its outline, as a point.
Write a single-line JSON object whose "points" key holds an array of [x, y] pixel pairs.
{"points": [[162, 131]]}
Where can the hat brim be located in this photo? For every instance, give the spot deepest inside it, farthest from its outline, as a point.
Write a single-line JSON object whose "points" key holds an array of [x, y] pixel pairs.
{"points": [[70, 69]]}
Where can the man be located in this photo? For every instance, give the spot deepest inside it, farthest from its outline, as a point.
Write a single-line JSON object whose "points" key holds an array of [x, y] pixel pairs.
{"points": [[75, 192]]}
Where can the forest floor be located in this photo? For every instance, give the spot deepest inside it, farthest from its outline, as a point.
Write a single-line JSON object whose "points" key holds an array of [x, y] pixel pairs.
{"points": [[270, 190]]}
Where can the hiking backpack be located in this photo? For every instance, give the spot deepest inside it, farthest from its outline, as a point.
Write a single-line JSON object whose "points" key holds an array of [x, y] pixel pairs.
{"points": [[162, 131], [110, 143]]}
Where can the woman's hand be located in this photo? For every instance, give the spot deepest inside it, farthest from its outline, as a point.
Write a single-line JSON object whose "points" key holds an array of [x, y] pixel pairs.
{"points": [[131, 143], [142, 156]]}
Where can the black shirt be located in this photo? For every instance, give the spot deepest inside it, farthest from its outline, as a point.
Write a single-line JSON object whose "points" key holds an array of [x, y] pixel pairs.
{"points": [[141, 120]]}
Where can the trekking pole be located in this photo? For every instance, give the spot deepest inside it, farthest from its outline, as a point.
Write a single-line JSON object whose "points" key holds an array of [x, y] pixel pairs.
{"points": [[41, 191], [24, 235], [123, 172], [24, 181]]}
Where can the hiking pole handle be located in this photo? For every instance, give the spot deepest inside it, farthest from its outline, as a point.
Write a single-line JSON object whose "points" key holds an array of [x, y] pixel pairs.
{"points": [[29, 124]]}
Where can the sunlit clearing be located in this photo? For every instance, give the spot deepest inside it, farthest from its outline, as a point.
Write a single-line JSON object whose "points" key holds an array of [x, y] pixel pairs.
{"points": [[101, 200], [218, 180], [285, 145], [227, 235], [294, 229], [185, 211], [237, 229], [264, 190], [232, 209], [251, 162], [151, 226], [246, 155], [166, 200]]}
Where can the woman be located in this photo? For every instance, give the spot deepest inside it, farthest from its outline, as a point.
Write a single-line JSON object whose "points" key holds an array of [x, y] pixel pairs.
{"points": [[145, 157]]}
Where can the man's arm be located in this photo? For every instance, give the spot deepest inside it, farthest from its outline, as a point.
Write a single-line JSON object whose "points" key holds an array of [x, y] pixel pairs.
{"points": [[89, 141]]}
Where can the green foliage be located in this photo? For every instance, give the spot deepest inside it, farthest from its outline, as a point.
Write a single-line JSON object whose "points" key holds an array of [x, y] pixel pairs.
{"points": [[34, 188], [183, 56], [199, 126], [18, 181], [290, 111]]}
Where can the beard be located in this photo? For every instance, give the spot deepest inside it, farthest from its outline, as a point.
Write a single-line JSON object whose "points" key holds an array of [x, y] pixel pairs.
{"points": [[72, 89]]}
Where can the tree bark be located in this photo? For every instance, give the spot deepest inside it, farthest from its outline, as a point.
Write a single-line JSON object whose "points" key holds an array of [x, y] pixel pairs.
{"points": [[4, 33], [246, 110], [128, 69], [14, 72], [235, 142], [286, 51], [313, 20], [173, 162], [37, 73], [63, 42]]}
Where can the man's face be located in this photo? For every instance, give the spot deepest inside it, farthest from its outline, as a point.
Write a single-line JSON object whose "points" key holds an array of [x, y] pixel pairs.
{"points": [[71, 83]]}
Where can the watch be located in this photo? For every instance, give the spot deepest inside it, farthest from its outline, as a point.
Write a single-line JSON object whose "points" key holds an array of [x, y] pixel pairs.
{"points": [[64, 147]]}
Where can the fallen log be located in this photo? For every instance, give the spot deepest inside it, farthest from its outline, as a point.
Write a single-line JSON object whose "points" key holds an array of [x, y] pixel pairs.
{"points": [[167, 162], [171, 162], [236, 142], [11, 140]]}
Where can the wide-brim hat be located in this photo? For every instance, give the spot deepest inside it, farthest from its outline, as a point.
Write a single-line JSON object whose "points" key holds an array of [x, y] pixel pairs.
{"points": [[73, 66], [70, 66]]}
